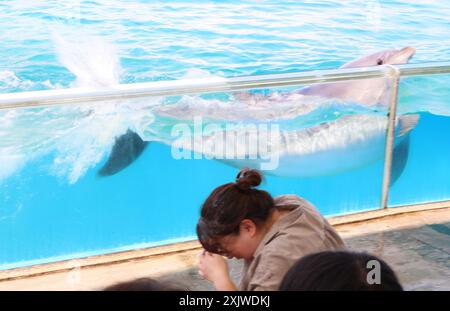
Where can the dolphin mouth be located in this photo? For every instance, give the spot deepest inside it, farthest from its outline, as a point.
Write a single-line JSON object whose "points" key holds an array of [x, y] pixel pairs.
{"points": [[407, 53]]}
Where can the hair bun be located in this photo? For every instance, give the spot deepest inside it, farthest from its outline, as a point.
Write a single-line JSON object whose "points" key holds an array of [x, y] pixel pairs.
{"points": [[248, 178]]}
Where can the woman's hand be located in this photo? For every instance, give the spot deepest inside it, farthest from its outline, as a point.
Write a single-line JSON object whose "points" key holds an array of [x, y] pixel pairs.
{"points": [[214, 268]]}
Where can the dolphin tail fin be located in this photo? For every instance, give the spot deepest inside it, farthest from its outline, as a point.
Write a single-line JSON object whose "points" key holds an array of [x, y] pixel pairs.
{"points": [[407, 123], [127, 148]]}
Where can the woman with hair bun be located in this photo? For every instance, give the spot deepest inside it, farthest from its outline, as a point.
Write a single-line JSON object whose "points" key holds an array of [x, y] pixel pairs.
{"points": [[270, 234]]}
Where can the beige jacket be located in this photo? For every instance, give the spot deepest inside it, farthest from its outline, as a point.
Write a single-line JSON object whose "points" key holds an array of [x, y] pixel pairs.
{"points": [[300, 232]]}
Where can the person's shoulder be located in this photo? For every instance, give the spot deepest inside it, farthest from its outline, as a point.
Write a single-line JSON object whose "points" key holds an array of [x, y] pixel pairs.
{"points": [[287, 200]]}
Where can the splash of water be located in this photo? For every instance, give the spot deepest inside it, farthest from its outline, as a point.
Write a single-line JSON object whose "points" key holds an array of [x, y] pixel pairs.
{"points": [[95, 63], [92, 60], [80, 135]]}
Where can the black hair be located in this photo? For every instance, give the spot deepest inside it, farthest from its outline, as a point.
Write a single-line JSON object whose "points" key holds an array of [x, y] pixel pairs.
{"points": [[339, 271], [229, 204]]}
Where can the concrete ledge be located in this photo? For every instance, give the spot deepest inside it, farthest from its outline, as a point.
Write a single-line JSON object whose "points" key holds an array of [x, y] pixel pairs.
{"points": [[193, 246], [381, 213], [96, 261]]}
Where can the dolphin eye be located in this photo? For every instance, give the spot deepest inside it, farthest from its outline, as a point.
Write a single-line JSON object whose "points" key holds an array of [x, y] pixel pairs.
{"points": [[379, 61]]}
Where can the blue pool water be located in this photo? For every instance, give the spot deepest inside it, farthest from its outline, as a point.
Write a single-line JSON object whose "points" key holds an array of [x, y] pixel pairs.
{"points": [[54, 206]]}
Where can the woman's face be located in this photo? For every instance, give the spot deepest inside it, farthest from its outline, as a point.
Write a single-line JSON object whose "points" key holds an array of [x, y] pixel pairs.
{"points": [[242, 245]]}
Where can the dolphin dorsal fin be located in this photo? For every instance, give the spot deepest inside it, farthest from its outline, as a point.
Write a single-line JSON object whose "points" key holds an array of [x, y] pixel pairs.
{"points": [[407, 123]]}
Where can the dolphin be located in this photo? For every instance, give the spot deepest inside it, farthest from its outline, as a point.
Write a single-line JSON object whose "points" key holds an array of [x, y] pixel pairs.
{"points": [[368, 92], [328, 148]]}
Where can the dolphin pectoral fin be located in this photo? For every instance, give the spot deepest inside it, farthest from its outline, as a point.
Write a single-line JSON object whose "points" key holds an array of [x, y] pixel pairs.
{"points": [[407, 123], [399, 159], [125, 151], [400, 153]]}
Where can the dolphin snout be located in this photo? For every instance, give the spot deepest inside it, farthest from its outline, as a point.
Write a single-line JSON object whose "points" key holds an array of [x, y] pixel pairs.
{"points": [[401, 56], [408, 51]]}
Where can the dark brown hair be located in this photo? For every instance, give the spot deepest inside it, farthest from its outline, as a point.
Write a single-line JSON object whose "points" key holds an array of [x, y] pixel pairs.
{"points": [[338, 271], [229, 204], [143, 284]]}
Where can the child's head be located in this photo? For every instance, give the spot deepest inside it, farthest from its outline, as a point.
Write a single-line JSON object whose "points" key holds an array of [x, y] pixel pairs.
{"points": [[340, 271], [142, 284], [232, 215]]}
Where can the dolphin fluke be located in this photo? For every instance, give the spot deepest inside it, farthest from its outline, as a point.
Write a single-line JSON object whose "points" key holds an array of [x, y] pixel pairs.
{"points": [[125, 151]]}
